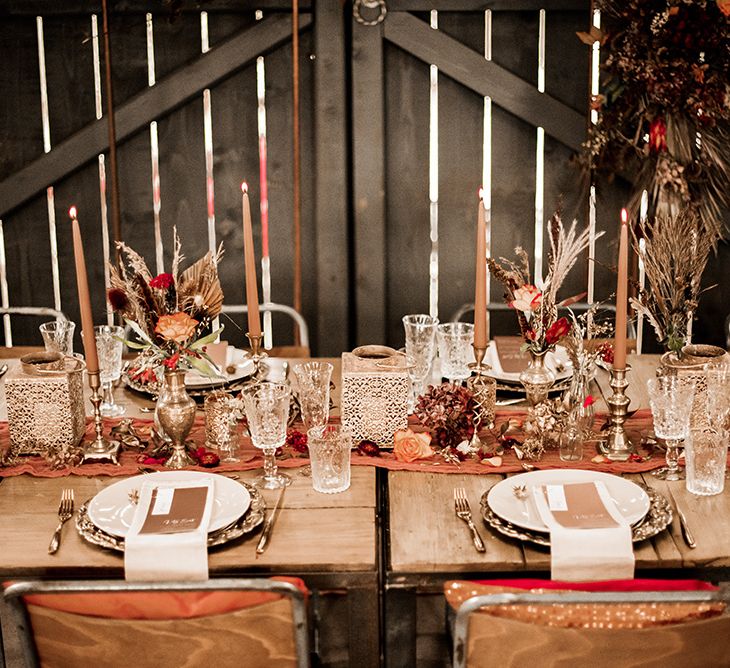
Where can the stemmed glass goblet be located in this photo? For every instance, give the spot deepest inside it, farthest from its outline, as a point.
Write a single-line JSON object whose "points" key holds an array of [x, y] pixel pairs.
{"points": [[313, 383], [455, 349], [420, 344], [109, 347], [671, 404], [267, 414]]}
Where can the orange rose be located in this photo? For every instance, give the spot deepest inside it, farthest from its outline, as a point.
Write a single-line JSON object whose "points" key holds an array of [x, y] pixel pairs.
{"points": [[178, 327], [409, 446], [724, 6]]}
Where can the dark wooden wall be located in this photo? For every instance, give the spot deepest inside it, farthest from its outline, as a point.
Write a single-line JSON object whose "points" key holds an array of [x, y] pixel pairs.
{"points": [[364, 130]]}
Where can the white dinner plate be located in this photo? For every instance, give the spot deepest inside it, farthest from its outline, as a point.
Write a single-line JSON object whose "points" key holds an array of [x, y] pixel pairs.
{"points": [[630, 499], [238, 365], [557, 361], [112, 510]]}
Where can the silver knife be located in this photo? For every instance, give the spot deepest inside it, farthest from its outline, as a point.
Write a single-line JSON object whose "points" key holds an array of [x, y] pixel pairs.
{"points": [[688, 537], [268, 526]]}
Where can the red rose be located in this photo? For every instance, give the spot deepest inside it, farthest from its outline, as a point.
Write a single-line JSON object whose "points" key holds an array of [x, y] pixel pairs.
{"points": [[557, 330], [658, 135], [162, 281]]}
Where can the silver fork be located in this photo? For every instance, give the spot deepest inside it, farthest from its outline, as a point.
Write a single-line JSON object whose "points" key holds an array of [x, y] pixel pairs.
{"points": [[65, 511], [463, 512]]}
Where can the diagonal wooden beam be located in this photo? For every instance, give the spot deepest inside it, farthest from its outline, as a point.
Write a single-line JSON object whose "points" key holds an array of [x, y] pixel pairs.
{"points": [[470, 68], [171, 92]]}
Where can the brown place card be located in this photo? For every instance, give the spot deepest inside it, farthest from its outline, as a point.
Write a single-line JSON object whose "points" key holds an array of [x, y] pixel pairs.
{"points": [[512, 359], [175, 509], [578, 506]]}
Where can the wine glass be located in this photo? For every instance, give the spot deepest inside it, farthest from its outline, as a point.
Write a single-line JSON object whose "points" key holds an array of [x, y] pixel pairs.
{"points": [[455, 349], [313, 382], [420, 344], [267, 414], [109, 347], [671, 404]]}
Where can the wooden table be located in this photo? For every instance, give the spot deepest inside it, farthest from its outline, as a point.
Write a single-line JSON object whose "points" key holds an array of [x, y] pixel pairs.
{"points": [[330, 540], [426, 544]]}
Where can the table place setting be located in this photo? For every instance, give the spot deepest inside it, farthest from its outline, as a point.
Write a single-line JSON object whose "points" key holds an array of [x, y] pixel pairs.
{"points": [[118, 512]]}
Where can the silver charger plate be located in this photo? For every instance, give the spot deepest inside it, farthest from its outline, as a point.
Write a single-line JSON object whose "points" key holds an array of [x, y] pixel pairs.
{"points": [[658, 518], [251, 519]]}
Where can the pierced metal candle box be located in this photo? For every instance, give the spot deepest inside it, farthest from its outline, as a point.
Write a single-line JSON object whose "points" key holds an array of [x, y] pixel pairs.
{"points": [[375, 389], [45, 408]]}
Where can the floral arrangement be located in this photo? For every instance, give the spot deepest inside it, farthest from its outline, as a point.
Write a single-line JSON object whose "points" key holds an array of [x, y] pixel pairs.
{"points": [[537, 310], [664, 111], [676, 248], [583, 341], [171, 313], [447, 410]]}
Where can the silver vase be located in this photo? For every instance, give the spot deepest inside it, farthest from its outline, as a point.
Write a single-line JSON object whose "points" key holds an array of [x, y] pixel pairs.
{"points": [[175, 413]]}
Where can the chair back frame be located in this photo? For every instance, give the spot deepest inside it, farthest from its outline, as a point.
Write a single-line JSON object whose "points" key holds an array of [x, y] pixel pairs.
{"points": [[278, 308], [14, 596], [461, 627]]}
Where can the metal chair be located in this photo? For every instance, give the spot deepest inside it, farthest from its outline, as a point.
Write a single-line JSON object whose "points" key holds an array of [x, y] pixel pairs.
{"points": [[505, 642], [302, 350], [6, 350], [66, 623]]}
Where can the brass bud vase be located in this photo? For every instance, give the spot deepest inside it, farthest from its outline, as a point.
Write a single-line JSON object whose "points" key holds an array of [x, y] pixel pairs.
{"points": [[175, 413], [537, 379]]}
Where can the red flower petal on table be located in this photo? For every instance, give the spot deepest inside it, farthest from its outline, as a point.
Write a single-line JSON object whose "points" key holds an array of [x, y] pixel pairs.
{"points": [[162, 281]]}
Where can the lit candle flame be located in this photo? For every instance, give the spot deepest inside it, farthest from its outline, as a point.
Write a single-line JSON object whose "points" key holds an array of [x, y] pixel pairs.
{"points": [[244, 187], [624, 216], [72, 212]]}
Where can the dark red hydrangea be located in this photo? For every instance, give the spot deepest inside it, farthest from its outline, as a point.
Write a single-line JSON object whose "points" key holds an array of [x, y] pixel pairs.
{"points": [[606, 353], [368, 448], [297, 441]]}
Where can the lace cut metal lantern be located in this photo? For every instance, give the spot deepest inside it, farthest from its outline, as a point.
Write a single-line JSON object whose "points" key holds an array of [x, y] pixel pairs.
{"points": [[45, 403], [375, 389]]}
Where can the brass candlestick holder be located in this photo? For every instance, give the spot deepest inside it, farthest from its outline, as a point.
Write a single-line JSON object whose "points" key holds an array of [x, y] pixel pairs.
{"points": [[257, 355], [484, 390], [100, 448], [617, 447]]}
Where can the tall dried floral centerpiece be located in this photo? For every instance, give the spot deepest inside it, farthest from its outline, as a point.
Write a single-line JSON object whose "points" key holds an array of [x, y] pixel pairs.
{"points": [[675, 253], [664, 108], [171, 315], [537, 310]]}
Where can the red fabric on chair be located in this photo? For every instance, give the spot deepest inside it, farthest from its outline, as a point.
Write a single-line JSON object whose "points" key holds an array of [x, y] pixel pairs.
{"points": [[157, 605]]}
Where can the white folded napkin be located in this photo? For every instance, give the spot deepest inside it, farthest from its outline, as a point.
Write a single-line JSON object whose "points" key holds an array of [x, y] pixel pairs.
{"points": [[169, 533], [589, 538]]}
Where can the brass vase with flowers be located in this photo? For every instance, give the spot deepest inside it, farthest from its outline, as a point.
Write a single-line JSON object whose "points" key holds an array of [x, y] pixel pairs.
{"points": [[171, 316], [175, 413], [537, 310]]}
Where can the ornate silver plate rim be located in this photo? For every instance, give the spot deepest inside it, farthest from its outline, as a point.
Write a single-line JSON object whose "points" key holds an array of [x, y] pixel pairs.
{"points": [[559, 386], [657, 518], [251, 519]]}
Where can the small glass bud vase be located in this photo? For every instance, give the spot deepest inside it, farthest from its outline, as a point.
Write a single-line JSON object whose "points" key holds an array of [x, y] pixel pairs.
{"points": [[571, 443], [576, 400], [537, 379]]}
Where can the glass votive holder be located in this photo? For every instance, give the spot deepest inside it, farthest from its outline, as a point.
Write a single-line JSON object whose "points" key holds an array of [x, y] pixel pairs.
{"points": [[58, 336], [329, 453], [571, 444], [221, 415], [705, 455]]}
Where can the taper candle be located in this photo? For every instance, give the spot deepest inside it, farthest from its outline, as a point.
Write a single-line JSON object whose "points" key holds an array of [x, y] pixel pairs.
{"points": [[622, 287], [480, 291], [252, 292], [82, 283]]}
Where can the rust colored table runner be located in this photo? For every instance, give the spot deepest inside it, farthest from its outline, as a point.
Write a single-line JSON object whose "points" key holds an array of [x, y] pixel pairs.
{"points": [[250, 457]]}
